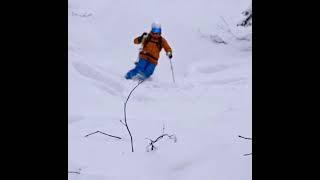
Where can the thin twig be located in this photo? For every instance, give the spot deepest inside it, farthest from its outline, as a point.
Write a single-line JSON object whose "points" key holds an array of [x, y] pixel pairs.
{"points": [[125, 113], [163, 135], [163, 128], [74, 172], [152, 142], [245, 22], [122, 122], [247, 154], [244, 137], [102, 133]]}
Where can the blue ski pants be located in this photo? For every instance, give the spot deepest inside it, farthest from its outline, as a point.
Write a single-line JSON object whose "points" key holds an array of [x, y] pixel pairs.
{"points": [[144, 67]]}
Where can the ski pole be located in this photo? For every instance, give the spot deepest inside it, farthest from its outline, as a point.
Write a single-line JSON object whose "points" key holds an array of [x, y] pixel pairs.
{"points": [[172, 71]]}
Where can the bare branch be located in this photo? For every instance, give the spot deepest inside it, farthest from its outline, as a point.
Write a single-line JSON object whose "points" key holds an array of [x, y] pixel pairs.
{"points": [[152, 142], [247, 154], [75, 172], [122, 123], [245, 137], [125, 113], [246, 21], [102, 133]]}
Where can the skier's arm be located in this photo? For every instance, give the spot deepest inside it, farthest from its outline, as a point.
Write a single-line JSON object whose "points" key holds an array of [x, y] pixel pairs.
{"points": [[167, 48], [138, 40]]}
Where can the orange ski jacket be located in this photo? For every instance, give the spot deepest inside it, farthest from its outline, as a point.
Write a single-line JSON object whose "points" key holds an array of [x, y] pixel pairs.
{"points": [[152, 46]]}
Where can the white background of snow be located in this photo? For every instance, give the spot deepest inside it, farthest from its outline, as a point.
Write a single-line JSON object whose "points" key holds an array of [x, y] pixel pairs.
{"points": [[207, 108]]}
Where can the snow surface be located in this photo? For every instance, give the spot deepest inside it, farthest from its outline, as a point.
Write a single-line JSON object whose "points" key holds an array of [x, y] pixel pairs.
{"points": [[207, 108]]}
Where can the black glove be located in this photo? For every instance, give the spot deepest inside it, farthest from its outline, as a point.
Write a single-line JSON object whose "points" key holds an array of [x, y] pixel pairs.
{"points": [[140, 37], [144, 34], [169, 54]]}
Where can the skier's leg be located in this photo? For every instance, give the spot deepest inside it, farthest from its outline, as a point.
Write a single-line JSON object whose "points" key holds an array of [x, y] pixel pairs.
{"points": [[141, 65], [138, 68], [149, 69], [131, 73]]}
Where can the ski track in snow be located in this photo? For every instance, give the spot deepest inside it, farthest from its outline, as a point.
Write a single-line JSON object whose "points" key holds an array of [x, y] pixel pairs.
{"points": [[102, 81]]}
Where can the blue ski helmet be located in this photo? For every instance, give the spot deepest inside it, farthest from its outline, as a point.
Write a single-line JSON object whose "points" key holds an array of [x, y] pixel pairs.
{"points": [[156, 27]]}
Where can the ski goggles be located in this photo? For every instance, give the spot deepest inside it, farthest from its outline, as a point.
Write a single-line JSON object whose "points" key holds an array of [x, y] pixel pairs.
{"points": [[156, 30]]}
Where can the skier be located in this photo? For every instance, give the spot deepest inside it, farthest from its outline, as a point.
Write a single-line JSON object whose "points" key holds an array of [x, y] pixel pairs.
{"points": [[152, 44]]}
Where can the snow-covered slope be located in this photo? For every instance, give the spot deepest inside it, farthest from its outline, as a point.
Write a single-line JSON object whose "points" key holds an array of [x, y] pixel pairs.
{"points": [[207, 108]]}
